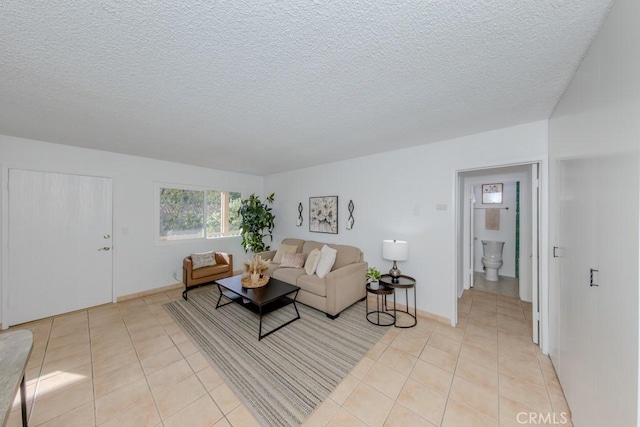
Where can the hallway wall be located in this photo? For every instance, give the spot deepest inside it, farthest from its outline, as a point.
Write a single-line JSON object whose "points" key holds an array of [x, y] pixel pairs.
{"points": [[594, 151]]}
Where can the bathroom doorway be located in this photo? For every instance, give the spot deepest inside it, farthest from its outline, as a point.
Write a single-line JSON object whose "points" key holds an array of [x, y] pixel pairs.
{"points": [[499, 207]]}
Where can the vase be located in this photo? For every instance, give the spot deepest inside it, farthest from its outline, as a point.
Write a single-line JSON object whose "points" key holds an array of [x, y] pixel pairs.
{"points": [[255, 277]]}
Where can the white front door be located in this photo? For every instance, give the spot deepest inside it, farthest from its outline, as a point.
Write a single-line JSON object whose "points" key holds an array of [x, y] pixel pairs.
{"points": [[60, 229]]}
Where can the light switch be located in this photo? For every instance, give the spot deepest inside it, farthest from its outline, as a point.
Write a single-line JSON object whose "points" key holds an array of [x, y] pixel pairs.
{"points": [[441, 207]]}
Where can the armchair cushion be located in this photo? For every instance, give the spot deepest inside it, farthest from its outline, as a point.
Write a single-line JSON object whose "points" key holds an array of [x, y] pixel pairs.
{"points": [[204, 259], [211, 270], [221, 267]]}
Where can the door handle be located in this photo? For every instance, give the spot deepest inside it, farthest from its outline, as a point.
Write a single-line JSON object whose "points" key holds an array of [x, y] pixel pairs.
{"points": [[104, 248]]}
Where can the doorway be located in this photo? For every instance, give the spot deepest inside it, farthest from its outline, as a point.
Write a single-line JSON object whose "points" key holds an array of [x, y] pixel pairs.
{"points": [[60, 241], [512, 222]]}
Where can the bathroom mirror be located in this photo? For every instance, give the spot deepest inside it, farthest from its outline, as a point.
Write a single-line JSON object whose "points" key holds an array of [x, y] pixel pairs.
{"points": [[491, 193]]}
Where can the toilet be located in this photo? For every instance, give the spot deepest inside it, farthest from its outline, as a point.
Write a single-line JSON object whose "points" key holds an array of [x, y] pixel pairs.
{"points": [[491, 259]]}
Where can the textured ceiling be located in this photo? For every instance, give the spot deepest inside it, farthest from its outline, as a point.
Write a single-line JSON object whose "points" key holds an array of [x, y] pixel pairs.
{"points": [[267, 86]]}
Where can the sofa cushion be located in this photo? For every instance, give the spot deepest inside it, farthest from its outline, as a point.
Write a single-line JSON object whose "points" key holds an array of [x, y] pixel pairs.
{"points": [[312, 262], [202, 259], [310, 245], [293, 260], [313, 284], [327, 259], [298, 243], [346, 254], [289, 275], [271, 268], [283, 249], [209, 271]]}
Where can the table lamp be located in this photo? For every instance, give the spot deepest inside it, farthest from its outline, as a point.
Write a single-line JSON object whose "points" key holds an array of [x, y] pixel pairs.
{"points": [[395, 250]]}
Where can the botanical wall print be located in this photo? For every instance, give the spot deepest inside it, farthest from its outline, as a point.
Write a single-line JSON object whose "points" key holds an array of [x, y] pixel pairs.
{"points": [[323, 214]]}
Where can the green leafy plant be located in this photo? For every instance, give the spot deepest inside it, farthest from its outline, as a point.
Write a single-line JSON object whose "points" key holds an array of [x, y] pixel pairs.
{"points": [[373, 274], [256, 223]]}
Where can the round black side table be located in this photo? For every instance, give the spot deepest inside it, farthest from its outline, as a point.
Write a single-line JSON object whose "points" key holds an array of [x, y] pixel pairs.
{"points": [[406, 283], [381, 315]]}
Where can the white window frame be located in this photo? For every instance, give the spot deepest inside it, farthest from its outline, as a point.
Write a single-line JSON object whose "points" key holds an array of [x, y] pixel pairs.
{"points": [[156, 206]]}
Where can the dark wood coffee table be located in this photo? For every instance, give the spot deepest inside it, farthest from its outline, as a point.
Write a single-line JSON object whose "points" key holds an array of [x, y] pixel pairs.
{"points": [[264, 300]]}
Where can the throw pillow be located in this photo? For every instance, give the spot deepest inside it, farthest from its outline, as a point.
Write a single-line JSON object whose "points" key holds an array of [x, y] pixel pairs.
{"points": [[203, 259], [327, 259], [293, 260], [312, 262], [283, 249]]}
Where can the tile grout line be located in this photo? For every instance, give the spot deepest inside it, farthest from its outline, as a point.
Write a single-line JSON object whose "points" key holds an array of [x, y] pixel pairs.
{"points": [[456, 368], [35, 391], [207, 392], [126, 325], [93, 382]]}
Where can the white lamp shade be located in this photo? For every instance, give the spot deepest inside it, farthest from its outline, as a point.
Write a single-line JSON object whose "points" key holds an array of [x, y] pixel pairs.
{"points": [[395, 250]]}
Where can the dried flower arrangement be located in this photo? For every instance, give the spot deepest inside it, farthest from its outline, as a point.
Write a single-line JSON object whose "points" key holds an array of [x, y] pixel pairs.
{"points": [[256, 265]]}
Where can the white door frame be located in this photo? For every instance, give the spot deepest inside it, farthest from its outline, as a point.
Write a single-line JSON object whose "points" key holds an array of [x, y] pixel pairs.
{"points": [[535, 250], [472, 241], [543, 233]]}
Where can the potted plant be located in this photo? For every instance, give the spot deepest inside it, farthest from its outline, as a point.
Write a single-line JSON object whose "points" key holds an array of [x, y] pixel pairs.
{"points": [[373, 275], [256, 223]]}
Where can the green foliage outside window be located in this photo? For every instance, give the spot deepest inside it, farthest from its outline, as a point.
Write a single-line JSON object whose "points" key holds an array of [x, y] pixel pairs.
{"points": [[187, 214]]}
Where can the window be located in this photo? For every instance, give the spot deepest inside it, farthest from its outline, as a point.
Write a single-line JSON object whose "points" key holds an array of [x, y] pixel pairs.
{"points": [[189, 213]]}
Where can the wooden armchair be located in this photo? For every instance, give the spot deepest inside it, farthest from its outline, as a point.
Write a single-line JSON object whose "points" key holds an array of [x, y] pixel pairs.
{"points": [[200, 276]]}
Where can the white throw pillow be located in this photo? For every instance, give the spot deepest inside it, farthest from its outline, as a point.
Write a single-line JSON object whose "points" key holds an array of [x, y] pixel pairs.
{"points": [[312, 262], [327, 259], [203, 259], [283, 249]]}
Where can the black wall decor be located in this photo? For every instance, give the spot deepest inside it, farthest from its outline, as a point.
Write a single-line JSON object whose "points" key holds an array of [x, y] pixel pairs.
{"points": [[350, 220], [299, 221]]}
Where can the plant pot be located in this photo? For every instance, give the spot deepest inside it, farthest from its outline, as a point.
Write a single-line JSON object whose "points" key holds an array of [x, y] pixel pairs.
{"points": [[374, 285]]}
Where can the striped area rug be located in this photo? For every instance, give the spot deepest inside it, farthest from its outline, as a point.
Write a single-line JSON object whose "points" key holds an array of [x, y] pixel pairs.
{"points": [[283, 377]]}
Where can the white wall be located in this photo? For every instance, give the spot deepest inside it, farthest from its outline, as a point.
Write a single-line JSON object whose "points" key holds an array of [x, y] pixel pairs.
{"points": [[594, 149], [395, 196], [139, 263]]}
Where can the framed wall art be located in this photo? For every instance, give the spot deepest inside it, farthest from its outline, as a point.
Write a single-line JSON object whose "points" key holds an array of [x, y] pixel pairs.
{"points": [[491, 193], [323, 214]]}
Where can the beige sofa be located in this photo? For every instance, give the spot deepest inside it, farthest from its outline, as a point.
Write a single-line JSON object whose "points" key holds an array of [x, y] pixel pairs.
{"points": [[343, 286]]}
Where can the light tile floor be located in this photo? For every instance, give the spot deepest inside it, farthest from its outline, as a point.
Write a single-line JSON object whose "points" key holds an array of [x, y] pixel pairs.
{"points": [[129, 364], [508, 286]]}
